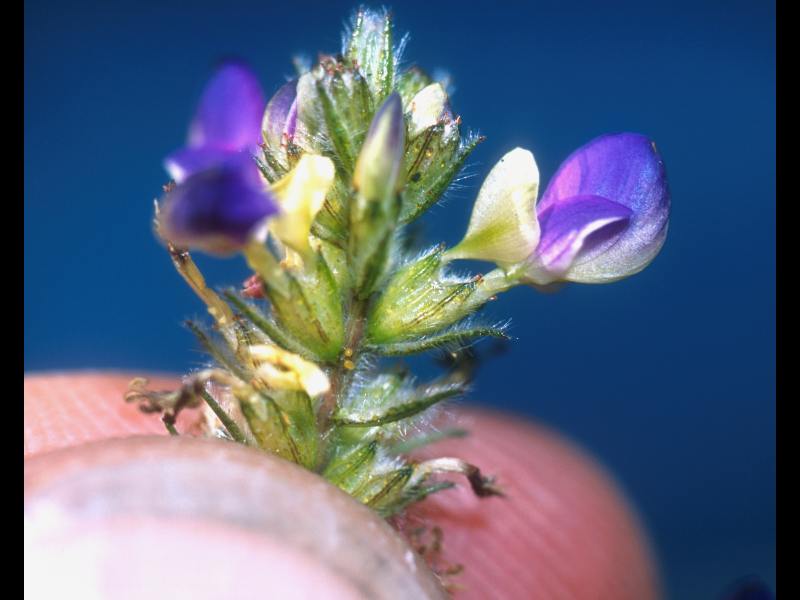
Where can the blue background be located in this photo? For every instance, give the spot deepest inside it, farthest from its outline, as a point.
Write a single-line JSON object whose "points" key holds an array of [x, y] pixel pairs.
{"points": [[668, 377]]}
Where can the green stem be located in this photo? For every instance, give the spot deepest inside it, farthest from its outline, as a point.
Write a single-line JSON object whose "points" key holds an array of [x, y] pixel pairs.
{"points": [[499, 280], [342, 375]]}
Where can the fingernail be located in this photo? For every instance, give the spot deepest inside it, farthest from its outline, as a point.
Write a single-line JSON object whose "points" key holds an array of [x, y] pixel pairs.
{"points": [[150, 517]]}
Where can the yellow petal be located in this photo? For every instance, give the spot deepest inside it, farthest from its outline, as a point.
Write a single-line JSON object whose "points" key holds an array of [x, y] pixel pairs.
{"points": [[281, 369], [301, 194]]}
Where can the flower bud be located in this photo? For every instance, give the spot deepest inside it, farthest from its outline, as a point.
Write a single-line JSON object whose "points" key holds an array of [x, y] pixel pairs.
{"points": [[435, 152], [333, 111], [426, 109], [377, 179], [280, 119], [410, 82], [345, 106], [369, 46], [421, 299], [377, 172]]}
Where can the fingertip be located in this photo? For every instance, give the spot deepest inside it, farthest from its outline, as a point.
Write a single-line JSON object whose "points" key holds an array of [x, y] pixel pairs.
{"points": [[67, 409], [179, 517], [564, 529]]}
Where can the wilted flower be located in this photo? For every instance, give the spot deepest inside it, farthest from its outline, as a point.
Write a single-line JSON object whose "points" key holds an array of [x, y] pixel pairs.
{"points": [[281, 369], [603, 217], [221, 198]]}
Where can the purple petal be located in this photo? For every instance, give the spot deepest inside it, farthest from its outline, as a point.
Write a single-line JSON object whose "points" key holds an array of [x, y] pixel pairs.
{"points": [[280, 116], [187, 161], [217, 209], [573, 225], [230, 110], [391, 111], [627, 169]]}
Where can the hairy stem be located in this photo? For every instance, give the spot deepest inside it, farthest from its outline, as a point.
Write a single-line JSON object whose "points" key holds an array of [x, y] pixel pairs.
{"points": [[342, 375]]}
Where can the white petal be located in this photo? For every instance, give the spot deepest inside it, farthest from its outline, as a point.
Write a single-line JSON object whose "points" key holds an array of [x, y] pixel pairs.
{"points": [[426, 108], [503, 227]]}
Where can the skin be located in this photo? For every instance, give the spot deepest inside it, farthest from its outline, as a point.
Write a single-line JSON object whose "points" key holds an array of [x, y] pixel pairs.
{"points": [[564, 531]]}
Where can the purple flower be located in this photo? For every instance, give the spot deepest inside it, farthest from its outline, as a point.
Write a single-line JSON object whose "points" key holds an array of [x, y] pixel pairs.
{"points": [[603, 217], [218, 209], [220, 200], [605, 213]]}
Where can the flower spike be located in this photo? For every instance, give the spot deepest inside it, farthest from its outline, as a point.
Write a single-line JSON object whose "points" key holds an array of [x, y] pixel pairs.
{"points": [[334, 168]]}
